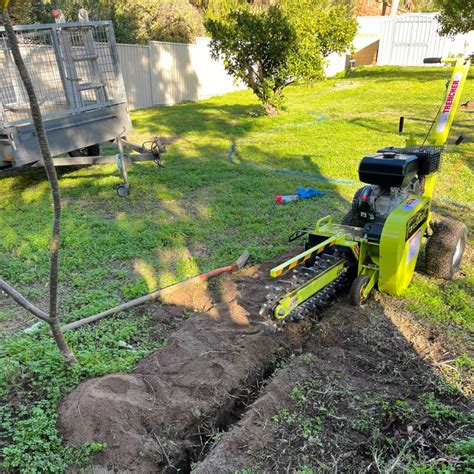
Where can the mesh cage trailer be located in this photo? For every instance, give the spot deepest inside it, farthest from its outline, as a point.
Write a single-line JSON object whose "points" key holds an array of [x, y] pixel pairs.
{"points": [[77, 78]]}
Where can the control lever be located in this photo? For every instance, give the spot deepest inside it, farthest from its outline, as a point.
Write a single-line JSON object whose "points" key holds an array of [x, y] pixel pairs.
{"points": [[401, 123]]}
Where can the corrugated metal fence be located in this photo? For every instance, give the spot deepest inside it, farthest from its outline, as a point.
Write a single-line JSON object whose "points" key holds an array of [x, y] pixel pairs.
{"points": [[408, 39], [168, 73]]}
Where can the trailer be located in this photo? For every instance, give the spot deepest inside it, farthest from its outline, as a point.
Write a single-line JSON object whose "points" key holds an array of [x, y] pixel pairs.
{"points": [[76, 73]]}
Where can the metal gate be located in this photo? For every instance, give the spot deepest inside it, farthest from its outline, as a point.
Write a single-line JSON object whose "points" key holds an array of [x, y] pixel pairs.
{"points": [[406, 40]]}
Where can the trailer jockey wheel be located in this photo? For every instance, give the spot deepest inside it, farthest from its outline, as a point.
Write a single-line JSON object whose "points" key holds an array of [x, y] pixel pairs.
{"points": [[123, 190], [356, 295], [445, 248]]}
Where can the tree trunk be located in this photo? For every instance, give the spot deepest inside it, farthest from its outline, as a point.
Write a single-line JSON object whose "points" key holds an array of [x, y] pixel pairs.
{"points": [[270, 109], [54, 185]]}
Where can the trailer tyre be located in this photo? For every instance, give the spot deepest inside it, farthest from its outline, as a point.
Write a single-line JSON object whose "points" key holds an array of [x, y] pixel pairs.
{"points": [[445, 248], [123, 190], [93, 150], [356, 297]]}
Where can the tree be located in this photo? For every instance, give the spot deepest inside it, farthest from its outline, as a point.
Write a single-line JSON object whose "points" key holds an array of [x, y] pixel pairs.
{"points": [[256, 47], [322, 27], [457, 16], [23, 12], [269, 47], [53, 317], [423, 6]]}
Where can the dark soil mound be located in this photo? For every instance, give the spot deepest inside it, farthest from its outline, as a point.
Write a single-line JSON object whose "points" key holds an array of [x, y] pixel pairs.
{"points": [[159, 414]]}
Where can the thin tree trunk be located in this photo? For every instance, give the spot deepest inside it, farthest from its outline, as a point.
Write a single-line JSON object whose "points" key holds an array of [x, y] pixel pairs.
{"points": [[54, 185], [270, 109]]}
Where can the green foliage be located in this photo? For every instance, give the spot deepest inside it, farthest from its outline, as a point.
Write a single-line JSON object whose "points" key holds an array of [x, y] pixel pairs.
{"points": [[30, 11], [268, 48], [457, 16], [438, 411], [165, 20], [400, 410], [256, 47], [322, 27], [135, 21], [36, 445], [34, 379], [443, 301], [424, 6]]}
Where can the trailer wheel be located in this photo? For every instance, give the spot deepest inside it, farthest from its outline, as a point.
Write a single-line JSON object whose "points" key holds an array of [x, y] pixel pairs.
{"points": [[93, 150], [356, 297], [123, 190], [445, 248]]}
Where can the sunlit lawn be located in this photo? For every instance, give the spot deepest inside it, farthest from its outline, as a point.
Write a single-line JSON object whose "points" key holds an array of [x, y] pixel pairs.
{"points": [[203, 210]]}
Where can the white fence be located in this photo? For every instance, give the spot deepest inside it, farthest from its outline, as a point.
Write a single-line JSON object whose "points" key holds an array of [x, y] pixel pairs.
{"points": [[408, 39], [168, 73]]}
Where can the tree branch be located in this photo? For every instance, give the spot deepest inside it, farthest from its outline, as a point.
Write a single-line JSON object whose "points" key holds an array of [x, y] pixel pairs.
{"points": [[23, 302]]}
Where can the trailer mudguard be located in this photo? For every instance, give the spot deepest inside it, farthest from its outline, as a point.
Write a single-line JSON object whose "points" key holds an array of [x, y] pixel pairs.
{"points": [[400, 243]]}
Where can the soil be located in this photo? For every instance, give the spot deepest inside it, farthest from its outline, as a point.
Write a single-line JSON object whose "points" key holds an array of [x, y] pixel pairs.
{"points": [[160, 414], [220, 396], [357, 363], [14, 316]]}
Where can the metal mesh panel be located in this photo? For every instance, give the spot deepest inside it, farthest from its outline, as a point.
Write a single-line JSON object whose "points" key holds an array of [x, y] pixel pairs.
{"points": [[40, 58], [73, 68]]}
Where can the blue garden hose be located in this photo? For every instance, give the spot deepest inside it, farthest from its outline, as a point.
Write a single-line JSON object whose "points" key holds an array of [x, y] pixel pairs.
{"points": [[320, 177]]}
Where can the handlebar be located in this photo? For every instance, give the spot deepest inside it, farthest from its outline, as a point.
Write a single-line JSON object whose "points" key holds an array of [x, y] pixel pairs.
{"points": [[431, 60]]}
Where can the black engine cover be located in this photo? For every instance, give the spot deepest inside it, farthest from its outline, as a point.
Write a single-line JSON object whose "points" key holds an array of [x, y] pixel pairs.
{"points": [[388, 169]]}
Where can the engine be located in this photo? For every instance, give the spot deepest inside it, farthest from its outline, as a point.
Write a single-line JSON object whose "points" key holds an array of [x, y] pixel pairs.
{"points": [[392, 175], [376, 203]]}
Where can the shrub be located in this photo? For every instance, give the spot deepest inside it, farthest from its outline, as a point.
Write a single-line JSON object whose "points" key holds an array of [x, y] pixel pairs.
{"points": [[256, 47], [165, 20]]}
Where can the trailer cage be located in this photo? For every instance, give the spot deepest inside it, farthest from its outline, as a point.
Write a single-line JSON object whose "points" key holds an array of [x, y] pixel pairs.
{"points": [[76, 74]]}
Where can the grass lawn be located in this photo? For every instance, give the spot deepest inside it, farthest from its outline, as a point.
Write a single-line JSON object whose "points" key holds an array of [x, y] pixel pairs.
{"points": [[202, 211]]}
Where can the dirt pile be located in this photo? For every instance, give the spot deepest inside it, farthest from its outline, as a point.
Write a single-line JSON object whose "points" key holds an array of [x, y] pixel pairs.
{"points": [[159, 415], [355, 392]]}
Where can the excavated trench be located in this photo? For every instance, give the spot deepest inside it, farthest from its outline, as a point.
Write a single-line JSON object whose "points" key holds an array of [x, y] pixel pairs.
{"points": [[205, 402], [197, 445], [167, 413]]}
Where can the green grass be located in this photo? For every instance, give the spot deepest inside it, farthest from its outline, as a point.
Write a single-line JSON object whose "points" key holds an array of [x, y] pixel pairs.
{"points": [[200, 212]]}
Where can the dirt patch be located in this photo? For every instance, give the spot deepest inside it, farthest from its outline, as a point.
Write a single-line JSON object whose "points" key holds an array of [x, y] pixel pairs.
{"points": [[12, 316], [162, 414], [361, 390], [362, 398]]}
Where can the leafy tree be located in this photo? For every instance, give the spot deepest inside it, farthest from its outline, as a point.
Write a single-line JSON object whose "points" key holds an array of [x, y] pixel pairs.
{"points": [[221, 8], [457, 16], [256, 47], [164, 20], [30, 11], [269, 47], [322, 27], [424, 6]]}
